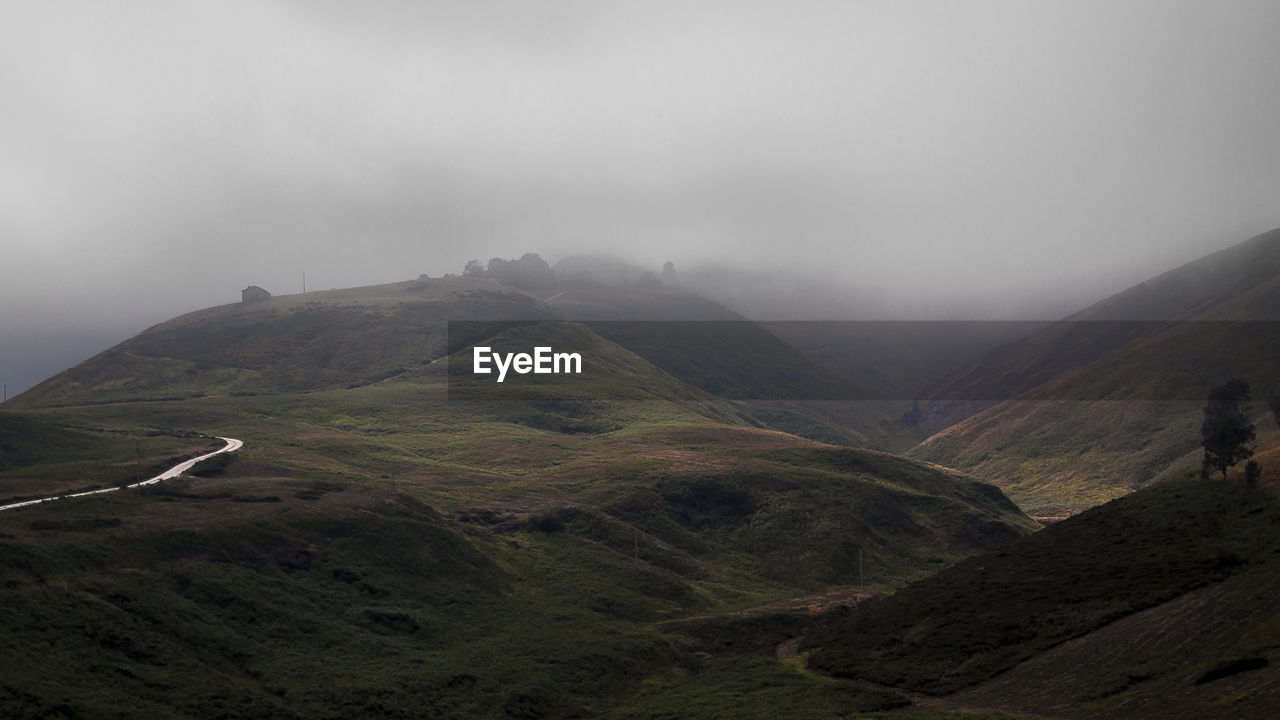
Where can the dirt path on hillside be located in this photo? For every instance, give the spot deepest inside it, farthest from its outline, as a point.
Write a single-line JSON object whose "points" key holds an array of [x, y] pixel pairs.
{"points": [[173, 472], [788, 650]]}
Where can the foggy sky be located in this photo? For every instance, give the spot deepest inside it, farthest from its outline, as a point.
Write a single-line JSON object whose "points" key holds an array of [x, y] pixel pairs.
{"points": [[937, 159]]}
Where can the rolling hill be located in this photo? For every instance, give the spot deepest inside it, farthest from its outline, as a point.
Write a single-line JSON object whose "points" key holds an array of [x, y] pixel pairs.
{"points": [[1160, 604], [353, 337], [1100, 403], [650, 538], [380, 546]]}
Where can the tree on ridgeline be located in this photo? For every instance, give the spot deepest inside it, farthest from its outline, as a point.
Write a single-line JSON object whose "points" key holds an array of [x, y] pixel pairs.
{"points": [[1226, 431], [669, 272], [529, 272]]}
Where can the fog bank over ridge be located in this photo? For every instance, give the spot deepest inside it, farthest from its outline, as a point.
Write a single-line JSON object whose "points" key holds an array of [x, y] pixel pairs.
{"points": [[845, 161]]}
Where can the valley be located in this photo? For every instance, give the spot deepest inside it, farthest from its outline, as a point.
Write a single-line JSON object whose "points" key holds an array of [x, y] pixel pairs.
{"points": [[714, 518]]}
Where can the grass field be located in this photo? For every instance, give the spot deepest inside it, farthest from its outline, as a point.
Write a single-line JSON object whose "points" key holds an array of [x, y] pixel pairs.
{"points": [[988, 616], [395, 542], [383, 550]]}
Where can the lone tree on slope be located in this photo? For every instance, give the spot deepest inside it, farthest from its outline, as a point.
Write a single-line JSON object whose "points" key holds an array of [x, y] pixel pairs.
{"points": [[1226, 430]]}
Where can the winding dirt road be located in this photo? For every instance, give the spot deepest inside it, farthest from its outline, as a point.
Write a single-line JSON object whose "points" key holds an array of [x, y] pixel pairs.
{"points": [[173, 472]]}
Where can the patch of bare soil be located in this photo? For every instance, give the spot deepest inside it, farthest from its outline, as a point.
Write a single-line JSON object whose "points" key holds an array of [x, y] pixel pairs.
{"points": [[813, 605], [1047, 520]]}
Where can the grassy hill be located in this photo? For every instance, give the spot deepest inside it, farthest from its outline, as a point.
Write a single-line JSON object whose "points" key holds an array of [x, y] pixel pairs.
{"points": [[1089, 408], [382, 547], [1201, 655], [372, 551], [332, 339], [1159, 604], [397, 540], [354, 337], [43, 455]]}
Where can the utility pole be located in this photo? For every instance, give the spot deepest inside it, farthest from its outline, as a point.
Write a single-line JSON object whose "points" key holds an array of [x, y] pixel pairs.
{"points": [[304, 282]]}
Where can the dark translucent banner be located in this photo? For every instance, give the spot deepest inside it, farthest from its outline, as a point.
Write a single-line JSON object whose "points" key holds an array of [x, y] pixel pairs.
{"points": [[862, 361]]}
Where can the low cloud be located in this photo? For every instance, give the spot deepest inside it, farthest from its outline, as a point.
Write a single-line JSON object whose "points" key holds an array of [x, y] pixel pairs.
{"points": [[160, 156]]}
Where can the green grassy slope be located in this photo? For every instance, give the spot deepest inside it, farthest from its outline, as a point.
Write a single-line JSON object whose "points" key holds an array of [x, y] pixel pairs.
{"points": [[386, 550], [987, 615], [43, 454], [355, 337], [333, 339], [1199, 656], [349, 603], [344, 574]]}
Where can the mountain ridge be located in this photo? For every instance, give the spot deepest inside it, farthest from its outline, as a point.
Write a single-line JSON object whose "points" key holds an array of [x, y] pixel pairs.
{"points": [[1108, 399]]}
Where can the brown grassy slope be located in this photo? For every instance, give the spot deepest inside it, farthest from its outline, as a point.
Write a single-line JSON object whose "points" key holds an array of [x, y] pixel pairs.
{"points": [[1050, 442]]}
